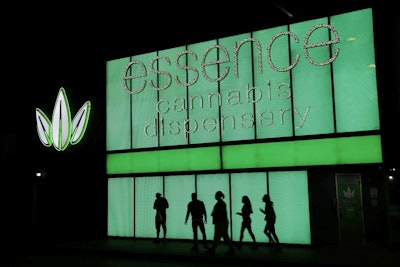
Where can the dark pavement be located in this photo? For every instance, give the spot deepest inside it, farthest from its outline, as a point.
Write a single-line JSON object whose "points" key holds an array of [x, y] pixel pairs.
{"points": [[144, 252]]}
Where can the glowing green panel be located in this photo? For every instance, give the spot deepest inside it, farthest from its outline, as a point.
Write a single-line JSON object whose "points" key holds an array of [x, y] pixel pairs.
{"points": [[312, 84], [144, 115], [237, 119], [178, 190], [297, 79], [253, 185], [204, 99], [272, 88], [329, 151], [174, 110], [120, 207], [302, 97], [289, 192], [145, 194], [118, 107], [206, 158], [207, 186], [354, 73]]}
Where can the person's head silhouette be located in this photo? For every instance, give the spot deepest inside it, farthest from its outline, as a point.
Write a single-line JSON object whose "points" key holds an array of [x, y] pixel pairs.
{"points": [[266, 198], [194, 196], [219, 195]]}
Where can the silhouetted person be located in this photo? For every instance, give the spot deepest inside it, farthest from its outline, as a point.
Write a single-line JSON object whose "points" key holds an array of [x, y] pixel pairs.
{"points": [[197, 210], [160, 205], [270, 218], [220, 221], [246, 222]]}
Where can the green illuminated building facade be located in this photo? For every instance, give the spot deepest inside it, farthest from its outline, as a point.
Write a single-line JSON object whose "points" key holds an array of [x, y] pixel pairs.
{"points": [[291, 111]]}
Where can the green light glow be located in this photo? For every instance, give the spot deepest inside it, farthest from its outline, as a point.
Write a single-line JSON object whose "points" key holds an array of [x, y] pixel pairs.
{"points": [[185, 185], [303, 79], [195, 159], [270, 80], [329, 151], [356, 99], [289, 192], [253, 185], [145, 190], [312, 85], [120, 207], [280, 90], [291, 203]]}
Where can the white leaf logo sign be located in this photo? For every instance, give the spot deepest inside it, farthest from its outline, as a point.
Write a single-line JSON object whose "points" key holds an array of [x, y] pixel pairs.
{"points": [[61, 130], [349, 193], [43, 126], [79, 123]]}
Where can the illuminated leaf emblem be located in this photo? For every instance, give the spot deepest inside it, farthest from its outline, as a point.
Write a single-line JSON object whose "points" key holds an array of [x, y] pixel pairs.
{"points": [[348, 193], [61, 130]]}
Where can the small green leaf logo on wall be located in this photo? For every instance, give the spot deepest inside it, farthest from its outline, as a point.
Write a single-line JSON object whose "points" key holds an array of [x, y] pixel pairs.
{"points": [[349, 193], [61, 130]]}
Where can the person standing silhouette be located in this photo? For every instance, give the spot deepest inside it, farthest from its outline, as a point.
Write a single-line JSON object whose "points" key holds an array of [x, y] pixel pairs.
{"points": [[270, 218], [246, 222], [197, 210], [160, 205], [220, 221]]}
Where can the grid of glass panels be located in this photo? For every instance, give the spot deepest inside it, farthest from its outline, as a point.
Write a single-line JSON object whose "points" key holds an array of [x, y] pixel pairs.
{"points": [[308, 78], [131, 200]]}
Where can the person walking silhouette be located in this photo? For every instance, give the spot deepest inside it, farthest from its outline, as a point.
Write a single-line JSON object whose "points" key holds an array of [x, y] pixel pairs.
{"points": [[221, 223], [160, 205], [197, 210], [270, 218], [246, 222]]}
